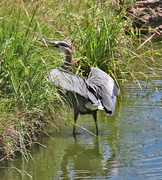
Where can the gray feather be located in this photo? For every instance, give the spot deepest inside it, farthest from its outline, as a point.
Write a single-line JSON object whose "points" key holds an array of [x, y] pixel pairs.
{"points": [[105, 87], [100, 88], [72, 83]]}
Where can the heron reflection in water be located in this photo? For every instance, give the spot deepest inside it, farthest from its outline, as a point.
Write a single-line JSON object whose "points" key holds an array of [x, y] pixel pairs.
{"points": [[99, 91]]}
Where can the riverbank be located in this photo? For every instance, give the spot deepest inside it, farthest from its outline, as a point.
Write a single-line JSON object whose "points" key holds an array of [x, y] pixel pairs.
{"points": [[28, 102], [147, 17]]}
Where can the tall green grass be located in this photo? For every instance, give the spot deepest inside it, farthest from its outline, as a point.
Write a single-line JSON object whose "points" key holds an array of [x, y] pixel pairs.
{"points": [[26, 99], [101, 41], [96, 32]]}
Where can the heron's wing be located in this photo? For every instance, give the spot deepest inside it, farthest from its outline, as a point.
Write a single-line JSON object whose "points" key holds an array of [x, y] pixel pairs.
{"points": [[73, 83], [68, 81], [105, 88], [116, 90]]}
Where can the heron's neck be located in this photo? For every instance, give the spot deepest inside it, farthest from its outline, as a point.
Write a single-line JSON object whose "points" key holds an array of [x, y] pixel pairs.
{"points": [[68, 57]]}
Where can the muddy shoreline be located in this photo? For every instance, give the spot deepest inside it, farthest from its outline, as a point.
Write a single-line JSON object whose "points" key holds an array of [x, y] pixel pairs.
{"points": [[147, 16]]}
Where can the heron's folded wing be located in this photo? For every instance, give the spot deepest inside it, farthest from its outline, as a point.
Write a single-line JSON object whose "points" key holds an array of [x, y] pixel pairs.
{"points": [[105, 88], [68, 81], [73, 83]]}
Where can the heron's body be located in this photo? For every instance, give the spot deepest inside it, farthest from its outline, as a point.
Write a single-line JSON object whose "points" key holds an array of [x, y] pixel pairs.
{"points": [[87, 95]]}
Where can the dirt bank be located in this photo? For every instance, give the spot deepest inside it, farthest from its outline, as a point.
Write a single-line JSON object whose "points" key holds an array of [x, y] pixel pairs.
{"points": [[147, 16]]}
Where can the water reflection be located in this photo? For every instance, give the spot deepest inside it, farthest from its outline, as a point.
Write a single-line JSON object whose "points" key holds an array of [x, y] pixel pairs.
{"points": [[80, 161]]}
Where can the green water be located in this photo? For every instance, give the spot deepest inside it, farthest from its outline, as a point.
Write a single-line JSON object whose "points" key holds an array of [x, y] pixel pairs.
{"points": [[129, 144]]}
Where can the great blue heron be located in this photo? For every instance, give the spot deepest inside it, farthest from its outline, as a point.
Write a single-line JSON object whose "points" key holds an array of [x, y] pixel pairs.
{"points": [[87, 95]]}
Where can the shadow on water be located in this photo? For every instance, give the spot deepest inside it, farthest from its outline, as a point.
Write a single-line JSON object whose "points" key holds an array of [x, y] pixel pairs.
{"points": [[129, 147], [87, 162]]}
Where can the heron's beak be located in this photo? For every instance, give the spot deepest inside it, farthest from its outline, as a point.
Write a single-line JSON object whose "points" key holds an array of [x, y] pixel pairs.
{"points": [[42, 45], [48, 44]]}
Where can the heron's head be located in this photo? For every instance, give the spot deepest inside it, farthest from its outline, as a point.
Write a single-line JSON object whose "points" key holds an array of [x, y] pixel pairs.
{"points": [[59, 46], [56, 45]]}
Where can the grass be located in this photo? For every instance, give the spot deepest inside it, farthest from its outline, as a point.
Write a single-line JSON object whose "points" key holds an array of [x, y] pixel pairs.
{"points": [[28, 103]]}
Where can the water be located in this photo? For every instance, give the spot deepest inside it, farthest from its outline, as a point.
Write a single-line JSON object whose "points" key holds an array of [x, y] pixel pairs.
{"points": [[129, 147]]}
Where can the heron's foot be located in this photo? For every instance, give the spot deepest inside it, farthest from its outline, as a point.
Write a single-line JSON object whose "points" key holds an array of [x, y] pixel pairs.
{"points": [[76, 133]]}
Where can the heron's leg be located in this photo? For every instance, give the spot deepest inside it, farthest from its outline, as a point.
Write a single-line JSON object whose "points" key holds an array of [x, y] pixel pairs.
{"points": [[95, 119], [76, 113]]}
